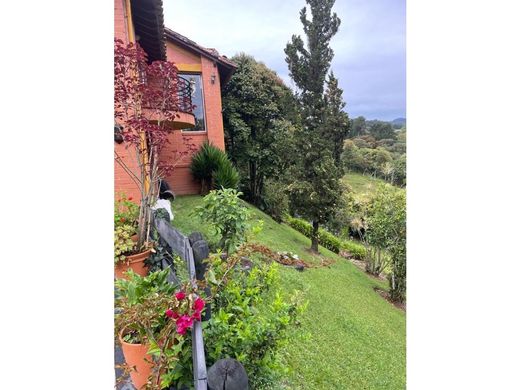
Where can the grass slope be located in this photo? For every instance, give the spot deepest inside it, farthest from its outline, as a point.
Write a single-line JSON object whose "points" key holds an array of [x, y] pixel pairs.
{"points": [[353, 338], [362, 183]]}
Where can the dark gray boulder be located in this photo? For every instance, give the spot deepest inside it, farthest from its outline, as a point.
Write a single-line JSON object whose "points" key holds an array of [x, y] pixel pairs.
{"points": [[227, 374]]}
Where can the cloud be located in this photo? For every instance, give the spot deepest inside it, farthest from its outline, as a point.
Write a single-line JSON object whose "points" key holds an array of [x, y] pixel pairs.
{"points": [[370, 47]]}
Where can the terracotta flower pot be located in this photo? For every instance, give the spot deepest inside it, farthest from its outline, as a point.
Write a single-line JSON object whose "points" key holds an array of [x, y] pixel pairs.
{"points": [[135, 262], [136, 356]]}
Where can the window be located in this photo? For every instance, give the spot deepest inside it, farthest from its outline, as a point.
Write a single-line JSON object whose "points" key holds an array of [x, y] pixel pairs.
{"points": [[197, 99]]}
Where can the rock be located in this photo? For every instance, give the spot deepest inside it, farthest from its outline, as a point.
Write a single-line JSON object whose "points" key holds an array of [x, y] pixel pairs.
{"points": [[227, 374], [299, 267], [195, 236]]}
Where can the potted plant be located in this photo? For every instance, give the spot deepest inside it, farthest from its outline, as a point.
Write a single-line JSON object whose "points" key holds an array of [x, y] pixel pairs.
{"points": [[151, 326], [126, 253], [146, 102]]}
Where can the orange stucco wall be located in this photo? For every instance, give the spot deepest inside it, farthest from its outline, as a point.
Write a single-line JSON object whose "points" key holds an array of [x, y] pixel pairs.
{"points": [[180, 180]]}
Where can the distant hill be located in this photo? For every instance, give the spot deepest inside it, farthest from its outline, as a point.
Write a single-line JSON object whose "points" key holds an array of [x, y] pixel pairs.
{"points": [[398, 123]]}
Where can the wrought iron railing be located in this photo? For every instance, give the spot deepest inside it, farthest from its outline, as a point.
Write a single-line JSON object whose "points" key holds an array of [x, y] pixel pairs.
{"points": [[183, 88], [184, 93]]}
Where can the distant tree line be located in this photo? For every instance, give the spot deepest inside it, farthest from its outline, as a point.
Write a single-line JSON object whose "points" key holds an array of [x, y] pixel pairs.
{"points": [[376, 148]]}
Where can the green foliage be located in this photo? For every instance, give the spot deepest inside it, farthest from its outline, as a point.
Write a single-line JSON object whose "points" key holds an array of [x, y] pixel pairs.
{"points": [[224, 211], [142, 302], [337, 124], [251, 318], [315, 190], [258, 112], [276, 200], [327, 239], [399, 166], [386, 229], [126, 212], [226, 176], [380, 130], [136, 287], [123, 243], [358, 126], [373, 328], [213, 169]]}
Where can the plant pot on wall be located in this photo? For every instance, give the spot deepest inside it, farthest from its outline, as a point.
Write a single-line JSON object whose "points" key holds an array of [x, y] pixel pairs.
{"points": [[134, 262], [136, 356]]}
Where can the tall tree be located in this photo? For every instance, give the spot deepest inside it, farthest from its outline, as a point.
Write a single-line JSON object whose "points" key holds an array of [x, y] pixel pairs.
{"points": [[382, 130], [337, 124], [358, 126], [316, 190], [256, 106]]}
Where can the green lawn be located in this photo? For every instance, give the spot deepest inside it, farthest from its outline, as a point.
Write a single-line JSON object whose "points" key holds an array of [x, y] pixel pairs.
{"points": [[354, 338], [361, 183]]}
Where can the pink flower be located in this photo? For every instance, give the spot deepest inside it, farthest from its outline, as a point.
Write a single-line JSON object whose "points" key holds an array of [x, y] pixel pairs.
{"points": [[183, 323], [180, 295], [175, 315], [181, 330], [198, 305], [188, 321], [196, 316], [169, 313]]}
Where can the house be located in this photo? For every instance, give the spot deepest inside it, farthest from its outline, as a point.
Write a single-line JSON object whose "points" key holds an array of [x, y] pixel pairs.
{"points": [[204, 71]]}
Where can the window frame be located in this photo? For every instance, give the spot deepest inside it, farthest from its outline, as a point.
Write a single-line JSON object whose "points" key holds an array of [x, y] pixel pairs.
{"points": [[186, 76]]}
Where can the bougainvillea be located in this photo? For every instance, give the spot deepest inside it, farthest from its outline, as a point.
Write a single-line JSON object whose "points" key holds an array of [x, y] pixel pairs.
{"points": [[146, 102], [186, 308]]}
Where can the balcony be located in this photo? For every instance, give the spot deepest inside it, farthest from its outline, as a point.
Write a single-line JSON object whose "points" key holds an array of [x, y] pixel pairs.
{"points": [[181, 103]]}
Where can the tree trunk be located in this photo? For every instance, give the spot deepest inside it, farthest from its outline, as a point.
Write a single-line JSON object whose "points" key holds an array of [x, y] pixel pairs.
{"points": [[314, 236]]}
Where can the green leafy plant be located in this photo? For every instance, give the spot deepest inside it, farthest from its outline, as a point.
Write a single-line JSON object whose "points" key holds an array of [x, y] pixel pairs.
{"points": [[152, 312], [327, 239], [123, 243], [126, 212], [276, 200], [226, 213], [252, 318], [226, 176], [213, 169], [386, 235]]}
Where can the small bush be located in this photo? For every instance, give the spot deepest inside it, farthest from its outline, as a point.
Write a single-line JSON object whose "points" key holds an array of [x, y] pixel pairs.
{"points": [[251, 318], [327, 239], [226, 176], [226, 213], [212, 167], [356, 250]]}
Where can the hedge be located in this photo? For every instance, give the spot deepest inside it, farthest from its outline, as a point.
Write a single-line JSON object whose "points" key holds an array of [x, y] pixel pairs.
{"points": [[327, 239]]}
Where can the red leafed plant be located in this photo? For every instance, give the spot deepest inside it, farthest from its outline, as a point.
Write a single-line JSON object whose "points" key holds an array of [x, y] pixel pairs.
{"points": [[146, 101]]}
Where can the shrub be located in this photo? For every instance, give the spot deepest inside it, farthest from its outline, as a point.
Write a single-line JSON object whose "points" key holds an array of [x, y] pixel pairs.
{"points": [[276, 200], [251, 318], [356, 250], [226, 213], [123, 243], [212, 167], [226, 176], [386, 229], [327, 239], [126, 212], [150, 313]]}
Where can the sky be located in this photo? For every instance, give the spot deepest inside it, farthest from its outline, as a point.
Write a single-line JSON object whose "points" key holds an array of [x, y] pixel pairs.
{"points": [[369, 48]]}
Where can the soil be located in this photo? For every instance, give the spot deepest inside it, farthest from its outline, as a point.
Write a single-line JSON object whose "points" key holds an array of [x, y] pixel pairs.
{"points": [[386, 296]]}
